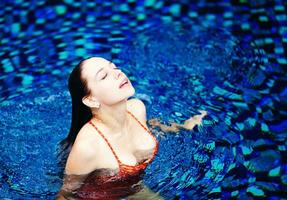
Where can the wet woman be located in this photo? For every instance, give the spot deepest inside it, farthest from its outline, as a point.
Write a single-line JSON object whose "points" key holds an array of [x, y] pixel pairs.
{"points": [[109, 143]]}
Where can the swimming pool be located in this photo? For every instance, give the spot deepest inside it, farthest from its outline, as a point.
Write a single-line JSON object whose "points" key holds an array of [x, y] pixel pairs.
{"points": [[227, 58]]}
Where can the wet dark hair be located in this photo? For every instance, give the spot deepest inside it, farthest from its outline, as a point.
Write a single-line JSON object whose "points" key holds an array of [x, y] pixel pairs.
{"points": [[81, 113]]}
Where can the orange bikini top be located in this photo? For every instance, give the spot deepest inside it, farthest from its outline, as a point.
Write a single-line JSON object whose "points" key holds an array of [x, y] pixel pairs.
{"points": [[130, 169]]}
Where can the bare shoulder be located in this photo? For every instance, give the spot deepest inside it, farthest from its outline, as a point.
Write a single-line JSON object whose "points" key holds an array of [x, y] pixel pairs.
{"points": [[82, 158], [137, 107]]}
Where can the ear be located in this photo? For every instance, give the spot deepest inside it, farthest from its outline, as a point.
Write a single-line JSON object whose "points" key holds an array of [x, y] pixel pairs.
{"points": [[89, 101]]}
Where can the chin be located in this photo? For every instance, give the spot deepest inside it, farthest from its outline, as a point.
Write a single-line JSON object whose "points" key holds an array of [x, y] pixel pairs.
{"points": [[128, 92], [132, 91]]}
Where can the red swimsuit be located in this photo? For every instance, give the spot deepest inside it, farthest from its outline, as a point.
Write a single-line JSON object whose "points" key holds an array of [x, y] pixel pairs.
{"points": [[118, 185]]}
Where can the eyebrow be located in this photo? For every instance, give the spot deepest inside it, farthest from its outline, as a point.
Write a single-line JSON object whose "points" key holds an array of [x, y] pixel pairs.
{"points": [[102, 68]]}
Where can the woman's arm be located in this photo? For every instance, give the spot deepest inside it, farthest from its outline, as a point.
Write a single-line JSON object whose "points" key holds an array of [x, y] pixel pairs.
{"points": [[70, 184], [188, 124]]}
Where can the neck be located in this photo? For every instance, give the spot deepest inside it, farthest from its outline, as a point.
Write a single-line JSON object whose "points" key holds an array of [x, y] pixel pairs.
{"points": [[114, 117]]}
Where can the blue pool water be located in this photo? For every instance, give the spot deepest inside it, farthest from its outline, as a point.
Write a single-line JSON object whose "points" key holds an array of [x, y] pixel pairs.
{"points": [[227, 58]]}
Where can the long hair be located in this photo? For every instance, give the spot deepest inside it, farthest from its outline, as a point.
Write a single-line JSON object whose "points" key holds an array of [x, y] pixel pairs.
{"points": [[81, 114]]}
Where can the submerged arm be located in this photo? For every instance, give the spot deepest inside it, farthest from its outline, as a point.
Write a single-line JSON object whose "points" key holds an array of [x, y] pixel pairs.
{"points": [[188, 124], [71, 183], [78, 167]]}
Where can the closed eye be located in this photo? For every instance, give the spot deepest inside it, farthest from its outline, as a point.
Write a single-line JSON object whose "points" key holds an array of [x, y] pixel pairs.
{"points": [[106, 74], [104, 77]]}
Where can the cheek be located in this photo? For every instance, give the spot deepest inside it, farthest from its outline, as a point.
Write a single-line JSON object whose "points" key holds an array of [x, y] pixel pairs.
{"points": [[108, 93]]}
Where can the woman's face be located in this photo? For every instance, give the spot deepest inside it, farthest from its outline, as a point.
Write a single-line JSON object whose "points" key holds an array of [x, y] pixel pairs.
{"points": [[104, 80]]}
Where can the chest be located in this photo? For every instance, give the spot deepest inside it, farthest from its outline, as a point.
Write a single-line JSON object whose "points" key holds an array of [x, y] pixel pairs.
{"points": [[140, 138], [137, 146]]}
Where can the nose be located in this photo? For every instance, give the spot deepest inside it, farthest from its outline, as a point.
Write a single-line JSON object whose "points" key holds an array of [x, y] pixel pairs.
{"points": [[118, 73]]}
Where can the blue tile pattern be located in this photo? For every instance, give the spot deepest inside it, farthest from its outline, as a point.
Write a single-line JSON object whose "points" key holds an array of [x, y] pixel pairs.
{"points": [[227, 57]]}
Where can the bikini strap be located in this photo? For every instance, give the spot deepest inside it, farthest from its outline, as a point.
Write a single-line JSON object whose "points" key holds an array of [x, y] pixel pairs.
{"points": [[144, 128], [90, 122], [117, 158], [142, 125], [156, 146]]}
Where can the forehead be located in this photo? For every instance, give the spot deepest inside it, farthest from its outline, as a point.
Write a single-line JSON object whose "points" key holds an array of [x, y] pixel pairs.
{"points": [[92, 65]]}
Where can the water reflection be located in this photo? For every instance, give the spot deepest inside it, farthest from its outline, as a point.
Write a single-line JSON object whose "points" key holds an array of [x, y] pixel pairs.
{"points": [[105, 184]]}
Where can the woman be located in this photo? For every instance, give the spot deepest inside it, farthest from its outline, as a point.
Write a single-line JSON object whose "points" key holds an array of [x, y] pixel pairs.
{"points": [[109, 142]]}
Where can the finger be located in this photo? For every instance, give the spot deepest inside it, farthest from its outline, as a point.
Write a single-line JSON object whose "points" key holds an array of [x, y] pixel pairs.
{"points": [[203, 113]]}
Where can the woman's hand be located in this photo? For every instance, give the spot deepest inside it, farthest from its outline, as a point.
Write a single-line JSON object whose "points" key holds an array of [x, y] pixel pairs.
{"points": [[195, 120]]}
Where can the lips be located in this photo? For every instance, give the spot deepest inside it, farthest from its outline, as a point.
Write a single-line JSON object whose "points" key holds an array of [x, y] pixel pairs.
{"points": [[123, 82]]}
